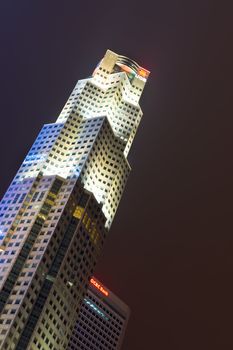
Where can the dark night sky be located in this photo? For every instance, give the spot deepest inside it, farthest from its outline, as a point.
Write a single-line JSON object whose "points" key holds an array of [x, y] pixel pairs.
{"points": [[170, 250]]}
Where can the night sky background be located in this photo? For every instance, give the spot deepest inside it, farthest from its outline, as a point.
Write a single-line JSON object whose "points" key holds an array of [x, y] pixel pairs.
{"points": [[169, 255]]}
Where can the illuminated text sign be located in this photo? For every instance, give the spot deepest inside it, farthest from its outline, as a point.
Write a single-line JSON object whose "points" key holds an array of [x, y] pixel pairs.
{"points": [[99, 287]]}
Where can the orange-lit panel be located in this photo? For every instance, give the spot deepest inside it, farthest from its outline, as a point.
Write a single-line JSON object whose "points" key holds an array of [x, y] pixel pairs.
{"points": [[143, 73]]}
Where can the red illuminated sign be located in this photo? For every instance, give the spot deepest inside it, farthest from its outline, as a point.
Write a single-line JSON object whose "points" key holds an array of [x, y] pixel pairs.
{"points": [[99, 287]]}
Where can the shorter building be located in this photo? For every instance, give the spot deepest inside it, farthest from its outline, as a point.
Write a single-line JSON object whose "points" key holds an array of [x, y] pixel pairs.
{"points": [[102, 320]]}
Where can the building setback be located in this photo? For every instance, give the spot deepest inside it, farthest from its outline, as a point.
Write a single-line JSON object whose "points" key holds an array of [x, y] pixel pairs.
{"points": [[102, 320], [56, 213]]}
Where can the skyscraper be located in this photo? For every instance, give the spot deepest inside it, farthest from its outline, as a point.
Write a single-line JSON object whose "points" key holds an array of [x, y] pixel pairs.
{"points": [[102, 320], [59, 207]]}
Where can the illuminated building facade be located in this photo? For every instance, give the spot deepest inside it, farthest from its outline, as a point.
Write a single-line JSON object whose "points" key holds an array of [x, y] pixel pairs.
{"points": [[58, 209], [102, 320]]}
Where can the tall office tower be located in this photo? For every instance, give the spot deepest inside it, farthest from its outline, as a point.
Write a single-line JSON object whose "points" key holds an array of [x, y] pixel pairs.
{"points": [[57, 211], [102, 320]]}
